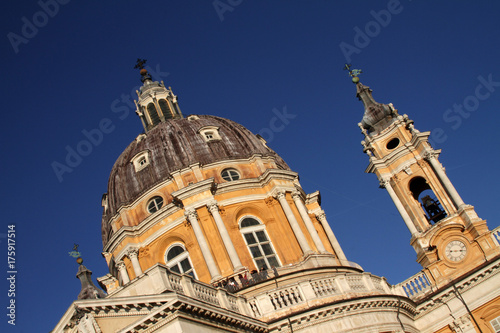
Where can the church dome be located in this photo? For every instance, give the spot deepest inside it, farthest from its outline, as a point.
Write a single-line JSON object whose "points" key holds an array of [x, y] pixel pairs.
{"points": [[175, 144]]}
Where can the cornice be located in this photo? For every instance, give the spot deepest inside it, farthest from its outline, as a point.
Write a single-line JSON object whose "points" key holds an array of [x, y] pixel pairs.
{"points": [[325, 313], [165, 182], [139, 199], [259, 182], [391, 158], [159, 310], [196, 188], [145, 225]]}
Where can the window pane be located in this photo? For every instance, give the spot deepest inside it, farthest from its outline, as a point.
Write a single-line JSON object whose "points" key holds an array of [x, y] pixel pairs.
{"points": [[153, 114], [165, 109], [260, 263], [273, 261], [496, 324], [175, 268], [155, 204], [255, 251], [261, 235], [186, 266], [174, 252], [250, 239], [267, 249], [230, 174], [248, 221]]}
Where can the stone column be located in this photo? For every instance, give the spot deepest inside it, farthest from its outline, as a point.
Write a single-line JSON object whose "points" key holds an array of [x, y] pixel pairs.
{"points": [[280, 195], [307, 221], [132, 254], [331, 237], [123, 272], [231, 251], [387, 185], [202, 242], [430, 156]]}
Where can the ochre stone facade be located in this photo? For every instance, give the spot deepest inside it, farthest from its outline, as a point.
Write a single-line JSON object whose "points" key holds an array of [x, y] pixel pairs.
{"points": [[206, 229]]}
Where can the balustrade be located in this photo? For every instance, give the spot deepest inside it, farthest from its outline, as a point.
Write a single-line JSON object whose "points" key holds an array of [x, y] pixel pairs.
{"points": [[416, 286]]}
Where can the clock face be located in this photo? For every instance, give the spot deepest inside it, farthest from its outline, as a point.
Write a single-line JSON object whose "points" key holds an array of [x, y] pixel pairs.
{"points": [[455, 250]]}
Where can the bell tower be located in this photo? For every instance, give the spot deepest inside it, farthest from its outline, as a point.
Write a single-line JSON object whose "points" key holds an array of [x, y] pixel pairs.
{"points": [[447, 235]]}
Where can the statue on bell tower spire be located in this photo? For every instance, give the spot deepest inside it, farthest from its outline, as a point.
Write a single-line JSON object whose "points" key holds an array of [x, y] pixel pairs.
{"points": [[354, 73], [377, 116]]}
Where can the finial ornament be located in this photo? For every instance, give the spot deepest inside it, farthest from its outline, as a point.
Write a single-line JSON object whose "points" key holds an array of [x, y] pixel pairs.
{"points": [[144, 73], [76, 254], [140, 63], [354, 73]]}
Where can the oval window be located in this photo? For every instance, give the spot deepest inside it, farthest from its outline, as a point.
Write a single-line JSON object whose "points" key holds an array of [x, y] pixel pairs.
{"points": [[230, 174], [392, 144], [155, 204]]}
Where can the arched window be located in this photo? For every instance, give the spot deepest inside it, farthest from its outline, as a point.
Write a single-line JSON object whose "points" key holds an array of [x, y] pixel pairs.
{"points": [[258, 243], [423, 193], [153, 114], [165, 109], [177, 260]]}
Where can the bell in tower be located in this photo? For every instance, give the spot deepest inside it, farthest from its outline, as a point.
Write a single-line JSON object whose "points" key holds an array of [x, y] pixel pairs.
{"points": [[422, 192], [407, 166], [434, 211]]}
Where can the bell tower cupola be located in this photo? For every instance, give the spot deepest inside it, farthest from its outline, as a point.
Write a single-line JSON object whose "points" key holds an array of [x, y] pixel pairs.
{"points": [[446, 233], [155, 102]]}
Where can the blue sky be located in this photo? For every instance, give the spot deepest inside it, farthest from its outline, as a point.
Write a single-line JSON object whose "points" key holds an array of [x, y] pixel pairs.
{"points": [[66, 72]]}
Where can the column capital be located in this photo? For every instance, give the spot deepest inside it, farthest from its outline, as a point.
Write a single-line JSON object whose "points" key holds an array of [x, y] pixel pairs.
{"points": [[296, 195], [321, 217], [213, 206], [191, 214], [430, 154], [383, 183], [280, 194], [120, 265], [132, 253]]}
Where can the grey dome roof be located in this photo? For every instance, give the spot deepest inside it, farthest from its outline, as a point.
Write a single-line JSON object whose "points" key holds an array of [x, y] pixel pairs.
{"points": [[173, 145]]}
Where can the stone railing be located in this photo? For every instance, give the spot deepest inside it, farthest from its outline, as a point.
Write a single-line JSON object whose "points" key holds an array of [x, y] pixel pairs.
{"points": [[415, 287], [159, 279], [495, 234], [339, 285], [187, 285]]}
